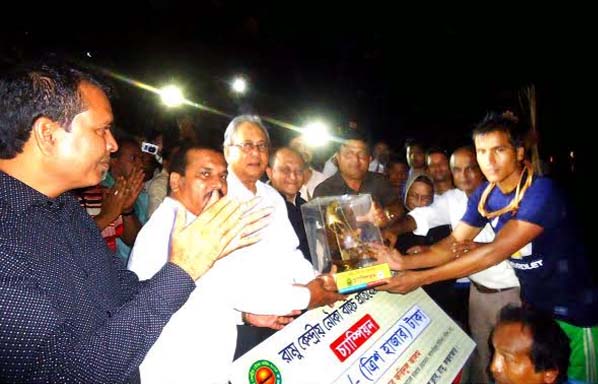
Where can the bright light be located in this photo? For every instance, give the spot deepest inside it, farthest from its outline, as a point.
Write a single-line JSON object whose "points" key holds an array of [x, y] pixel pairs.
{"points": [[172, 96], [316, 134], [239, 85]]}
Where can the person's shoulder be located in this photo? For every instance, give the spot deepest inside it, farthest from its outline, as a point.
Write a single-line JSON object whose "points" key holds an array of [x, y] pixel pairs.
{"points": [[543, 184], [164, 214], [454, 193], [376, 176], [478, 192], [328, 183], [270, 193]]}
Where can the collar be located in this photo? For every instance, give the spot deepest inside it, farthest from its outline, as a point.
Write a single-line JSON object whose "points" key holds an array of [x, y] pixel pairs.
{"points": [[238, 190], [297, 201]]}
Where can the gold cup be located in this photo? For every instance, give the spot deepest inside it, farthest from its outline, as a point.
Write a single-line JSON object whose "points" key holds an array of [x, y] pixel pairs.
{"points": [[347, 251]]}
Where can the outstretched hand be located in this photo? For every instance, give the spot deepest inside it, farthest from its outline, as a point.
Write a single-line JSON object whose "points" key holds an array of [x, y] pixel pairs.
{"points": [[401, 282], [323, 291], [383, 254]]}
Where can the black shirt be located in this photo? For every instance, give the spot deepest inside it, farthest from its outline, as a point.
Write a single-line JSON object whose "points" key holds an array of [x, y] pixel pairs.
{"points": [[375, 184], [296, 219], [70, 310]]}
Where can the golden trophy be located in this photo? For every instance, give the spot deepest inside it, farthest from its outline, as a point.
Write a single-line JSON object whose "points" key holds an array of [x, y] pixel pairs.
{"points": [[339, 229], [347, 251]]}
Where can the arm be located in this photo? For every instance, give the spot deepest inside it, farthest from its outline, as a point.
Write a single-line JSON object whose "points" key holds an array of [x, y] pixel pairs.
{"points": [[437, 254], [512, 237], [275, 277], [51, 346], [403, 225], [421, 219]]}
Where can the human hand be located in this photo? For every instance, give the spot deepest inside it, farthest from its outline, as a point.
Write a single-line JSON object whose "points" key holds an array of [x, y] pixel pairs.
{"points": [[383, 254], [323, 291], [252, 224], [401, 282], [197, 246], [133, 187], [378, 215], [270, 321], [112, 202]]}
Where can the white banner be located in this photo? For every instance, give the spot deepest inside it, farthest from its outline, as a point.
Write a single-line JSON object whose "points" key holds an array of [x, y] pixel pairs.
{"points": [[372, 337]]}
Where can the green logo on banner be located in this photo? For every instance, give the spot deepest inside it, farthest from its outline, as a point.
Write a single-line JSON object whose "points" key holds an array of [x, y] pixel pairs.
{"points": [[264, 372]]}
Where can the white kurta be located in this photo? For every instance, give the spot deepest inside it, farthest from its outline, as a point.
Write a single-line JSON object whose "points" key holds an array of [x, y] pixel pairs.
{"points": [[198, 343]]}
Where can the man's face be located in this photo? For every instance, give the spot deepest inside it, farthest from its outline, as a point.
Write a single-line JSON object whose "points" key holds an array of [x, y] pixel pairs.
{"points": [[397, 174], [416, 158], [438, 167], [381, 152], [498, 159], [419, 195], [353, 159], [205, 173], [248, 166], [466, 173], [286, 174], [511, 362], [128, 158], [83, 154]]}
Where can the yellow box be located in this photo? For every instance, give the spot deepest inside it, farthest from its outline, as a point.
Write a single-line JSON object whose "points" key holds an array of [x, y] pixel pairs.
{"points": [[361, 278]]}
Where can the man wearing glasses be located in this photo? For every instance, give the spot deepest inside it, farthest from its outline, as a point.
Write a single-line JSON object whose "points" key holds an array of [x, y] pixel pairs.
{"points": [[286, 174], [272, 277]]}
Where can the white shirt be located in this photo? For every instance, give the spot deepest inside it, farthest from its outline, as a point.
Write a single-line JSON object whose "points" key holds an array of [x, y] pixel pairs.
{"points": [[375, 166], [307, 189], [449, 208], [203, 332], [329, 168], [265, 272]]}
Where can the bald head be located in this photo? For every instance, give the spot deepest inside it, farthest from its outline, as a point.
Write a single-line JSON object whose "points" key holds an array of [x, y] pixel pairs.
{"points": [[466, 172], [286, 172]]}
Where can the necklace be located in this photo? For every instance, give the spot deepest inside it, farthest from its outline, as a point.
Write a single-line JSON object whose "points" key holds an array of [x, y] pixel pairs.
{"points": [[513, 206]]}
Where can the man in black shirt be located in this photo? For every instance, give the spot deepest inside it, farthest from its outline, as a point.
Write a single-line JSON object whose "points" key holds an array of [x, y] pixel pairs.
{"points": [[70, 310]]}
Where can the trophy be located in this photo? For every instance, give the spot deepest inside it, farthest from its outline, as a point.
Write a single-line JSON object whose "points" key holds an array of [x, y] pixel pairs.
{"points": [[347, 250], [339, 229]]}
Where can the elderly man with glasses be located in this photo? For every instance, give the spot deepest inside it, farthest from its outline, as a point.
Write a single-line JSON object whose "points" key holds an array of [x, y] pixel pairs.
{"points": [[272, 277]]}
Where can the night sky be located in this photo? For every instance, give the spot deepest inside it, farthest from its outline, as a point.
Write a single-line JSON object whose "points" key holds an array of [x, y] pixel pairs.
{"points": [[427, 72]]}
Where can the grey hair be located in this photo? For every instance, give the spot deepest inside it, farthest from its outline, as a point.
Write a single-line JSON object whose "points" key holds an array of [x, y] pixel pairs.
{"points": [[232, 127]]}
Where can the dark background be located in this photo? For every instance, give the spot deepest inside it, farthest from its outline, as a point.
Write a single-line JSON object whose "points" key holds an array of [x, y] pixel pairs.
{"points": [[429, 71]]}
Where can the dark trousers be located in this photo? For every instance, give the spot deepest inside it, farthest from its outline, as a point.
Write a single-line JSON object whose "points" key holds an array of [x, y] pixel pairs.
{"points": [[248, 337]]}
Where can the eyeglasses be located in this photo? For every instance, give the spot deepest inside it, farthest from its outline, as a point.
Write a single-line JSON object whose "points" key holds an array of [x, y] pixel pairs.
{"points": [[288, 171], [249, 146]]}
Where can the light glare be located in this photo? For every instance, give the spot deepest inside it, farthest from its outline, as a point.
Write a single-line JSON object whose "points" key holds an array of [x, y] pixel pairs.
{"points": [[239, 85], [172, 96], [316, 134]]}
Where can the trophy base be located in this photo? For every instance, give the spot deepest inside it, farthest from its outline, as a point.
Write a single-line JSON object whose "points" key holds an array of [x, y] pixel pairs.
{"points": [[362, 278], [355, 263]]}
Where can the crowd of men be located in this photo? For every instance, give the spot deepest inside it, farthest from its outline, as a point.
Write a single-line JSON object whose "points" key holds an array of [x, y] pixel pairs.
{"points": [[112, 270]]}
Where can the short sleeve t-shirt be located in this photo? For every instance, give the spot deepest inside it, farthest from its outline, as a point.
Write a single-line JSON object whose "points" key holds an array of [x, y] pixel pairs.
{"points": [[552, 269]]}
